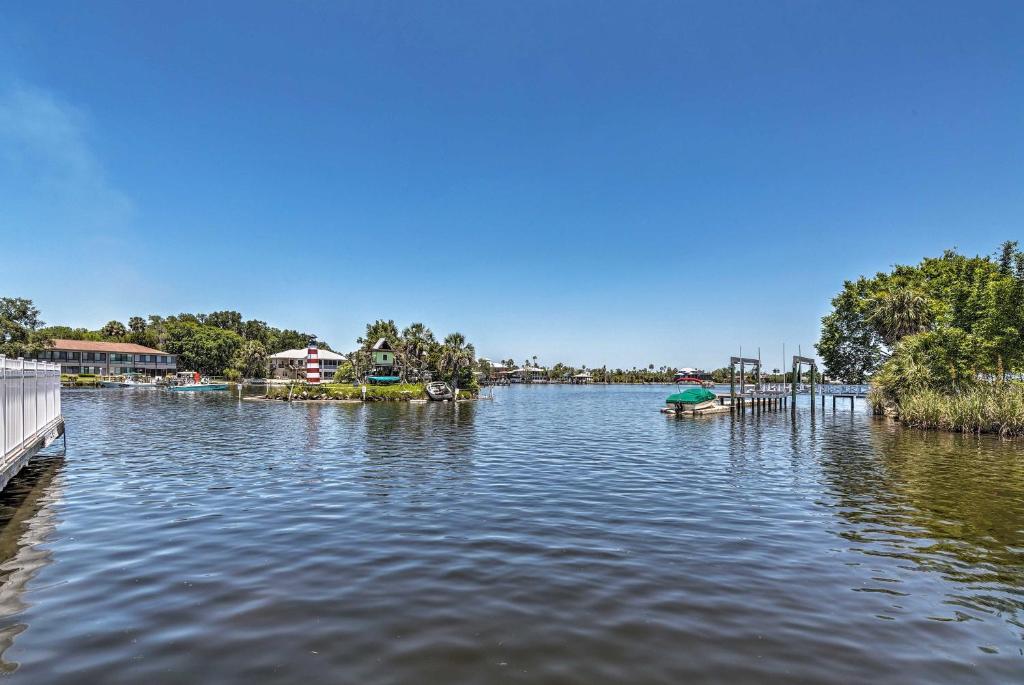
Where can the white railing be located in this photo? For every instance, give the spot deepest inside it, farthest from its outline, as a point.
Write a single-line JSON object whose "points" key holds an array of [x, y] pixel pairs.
{"points": [[843, 389], [29, 401], [819, 389]]}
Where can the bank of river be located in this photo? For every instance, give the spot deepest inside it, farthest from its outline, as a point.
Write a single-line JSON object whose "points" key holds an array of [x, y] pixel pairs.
{"points": [[565, 534]]}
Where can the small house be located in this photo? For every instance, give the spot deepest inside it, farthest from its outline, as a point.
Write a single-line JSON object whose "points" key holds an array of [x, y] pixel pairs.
{"points": [[384, 362]]}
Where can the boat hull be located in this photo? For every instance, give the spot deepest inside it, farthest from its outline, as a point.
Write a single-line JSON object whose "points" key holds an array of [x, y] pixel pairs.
{"points": [[439, 391]]}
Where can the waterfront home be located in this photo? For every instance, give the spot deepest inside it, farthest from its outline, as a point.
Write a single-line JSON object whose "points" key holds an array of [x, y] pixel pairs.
{"points": [[498, 371], [384, 362], [581, 378], [108, 358], [529, 374], [291, 364]]}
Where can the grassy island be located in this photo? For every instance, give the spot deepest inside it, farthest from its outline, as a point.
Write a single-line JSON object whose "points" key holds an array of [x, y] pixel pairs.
{"points": [[401, 392]]}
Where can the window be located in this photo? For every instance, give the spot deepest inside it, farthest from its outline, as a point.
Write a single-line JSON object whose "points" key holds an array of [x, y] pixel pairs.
{"points": [[62, 356], [74, 356], [163, 359]]}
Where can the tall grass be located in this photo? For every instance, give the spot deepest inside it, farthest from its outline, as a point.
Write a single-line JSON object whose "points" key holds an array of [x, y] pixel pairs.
{"points": [[988, 408]]}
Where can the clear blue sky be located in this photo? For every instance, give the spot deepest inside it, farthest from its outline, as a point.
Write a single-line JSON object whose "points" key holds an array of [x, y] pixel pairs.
{"points": [[625, 183]]}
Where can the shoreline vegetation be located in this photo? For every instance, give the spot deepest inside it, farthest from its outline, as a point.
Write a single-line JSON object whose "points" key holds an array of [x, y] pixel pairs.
{"points": [[346, 392], [941, 342]]}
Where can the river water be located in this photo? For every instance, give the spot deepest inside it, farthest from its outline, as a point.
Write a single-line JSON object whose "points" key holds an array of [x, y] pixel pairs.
{"points": [[554, 534]]}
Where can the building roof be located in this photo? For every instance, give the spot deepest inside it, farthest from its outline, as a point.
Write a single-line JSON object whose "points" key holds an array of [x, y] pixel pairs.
{"points": [[302, 352], [100, 346], [382, 344]]}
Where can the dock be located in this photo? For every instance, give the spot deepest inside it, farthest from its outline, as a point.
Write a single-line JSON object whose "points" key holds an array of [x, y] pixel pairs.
{"points": [[30, 413]]}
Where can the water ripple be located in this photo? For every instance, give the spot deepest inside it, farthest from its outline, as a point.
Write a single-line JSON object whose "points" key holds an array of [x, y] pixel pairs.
{"points": [[554, 534]]}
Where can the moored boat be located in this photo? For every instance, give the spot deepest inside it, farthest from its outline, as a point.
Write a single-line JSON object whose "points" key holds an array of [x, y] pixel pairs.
{"points": [[692, 399], [438, 391]]}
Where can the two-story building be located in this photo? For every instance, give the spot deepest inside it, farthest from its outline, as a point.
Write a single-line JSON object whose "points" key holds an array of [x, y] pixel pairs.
{"points": [[291, 364], [108, 358]]}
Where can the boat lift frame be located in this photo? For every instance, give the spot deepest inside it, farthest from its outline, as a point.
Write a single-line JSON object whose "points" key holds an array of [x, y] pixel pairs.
{"points": [[742, 363], [798, 366]]}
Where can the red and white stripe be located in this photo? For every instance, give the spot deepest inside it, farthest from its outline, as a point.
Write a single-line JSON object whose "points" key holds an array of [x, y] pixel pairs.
{"points": [[312, 365]]}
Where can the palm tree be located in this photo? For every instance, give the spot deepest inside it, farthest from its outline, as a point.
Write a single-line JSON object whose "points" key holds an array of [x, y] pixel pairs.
{"points": [[456, 354], [899, 312], [415, 345]]}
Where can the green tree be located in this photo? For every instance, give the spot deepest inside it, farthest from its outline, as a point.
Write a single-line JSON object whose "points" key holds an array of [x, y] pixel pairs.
{"points": [[227, 320], [19, 324], [380, 329], [899, 312], [206, 349], [416, 346], [114, 330], [250, 359], [456, 360]]}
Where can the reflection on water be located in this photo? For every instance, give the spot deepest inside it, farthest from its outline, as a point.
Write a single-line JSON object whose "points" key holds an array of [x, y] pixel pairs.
{"points": [[554, 534], [27, 518], [947, 504]]}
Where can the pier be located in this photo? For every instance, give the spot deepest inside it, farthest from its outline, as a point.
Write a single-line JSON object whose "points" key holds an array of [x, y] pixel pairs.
{"points": [[30, 416], [766, 396]]}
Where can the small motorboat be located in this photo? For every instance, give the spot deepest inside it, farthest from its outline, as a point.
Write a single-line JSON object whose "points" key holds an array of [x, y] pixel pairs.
{"points": [[438, 391], [692, 399], [114, 383], [191, 381]]}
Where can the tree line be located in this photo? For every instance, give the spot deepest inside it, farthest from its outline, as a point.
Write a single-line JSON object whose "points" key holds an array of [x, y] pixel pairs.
{"points": [[219, 343]]}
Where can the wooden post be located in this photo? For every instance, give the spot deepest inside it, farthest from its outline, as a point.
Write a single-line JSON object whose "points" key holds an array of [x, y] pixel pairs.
{"points": [[732, 384], [792, 385], [743, 379]]}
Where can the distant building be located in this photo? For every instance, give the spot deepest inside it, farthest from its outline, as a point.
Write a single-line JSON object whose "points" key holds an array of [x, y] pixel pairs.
{"points": [[532, 374], [291, 364], [384, 362], [108, 358]]}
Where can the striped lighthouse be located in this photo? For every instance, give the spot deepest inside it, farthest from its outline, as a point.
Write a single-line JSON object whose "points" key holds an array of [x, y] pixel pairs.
{"points": [[312, 364]]}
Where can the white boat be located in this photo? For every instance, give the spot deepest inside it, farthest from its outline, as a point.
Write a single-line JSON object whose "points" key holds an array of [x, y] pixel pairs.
{"points": [[439, 391]]}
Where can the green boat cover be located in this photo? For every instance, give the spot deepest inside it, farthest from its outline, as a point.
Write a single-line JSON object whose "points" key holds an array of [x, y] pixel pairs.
{"points": [[691, 396], [383, 380]]}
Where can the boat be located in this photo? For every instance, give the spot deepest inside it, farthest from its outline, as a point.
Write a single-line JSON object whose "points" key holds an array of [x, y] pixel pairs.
{"points": [[129, 380], [438, 391], [692, 398], [383, 380], [191, 381]]}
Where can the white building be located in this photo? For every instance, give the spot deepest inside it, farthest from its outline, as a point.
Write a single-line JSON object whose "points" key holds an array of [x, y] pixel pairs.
{"points": [[292, 364]]}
